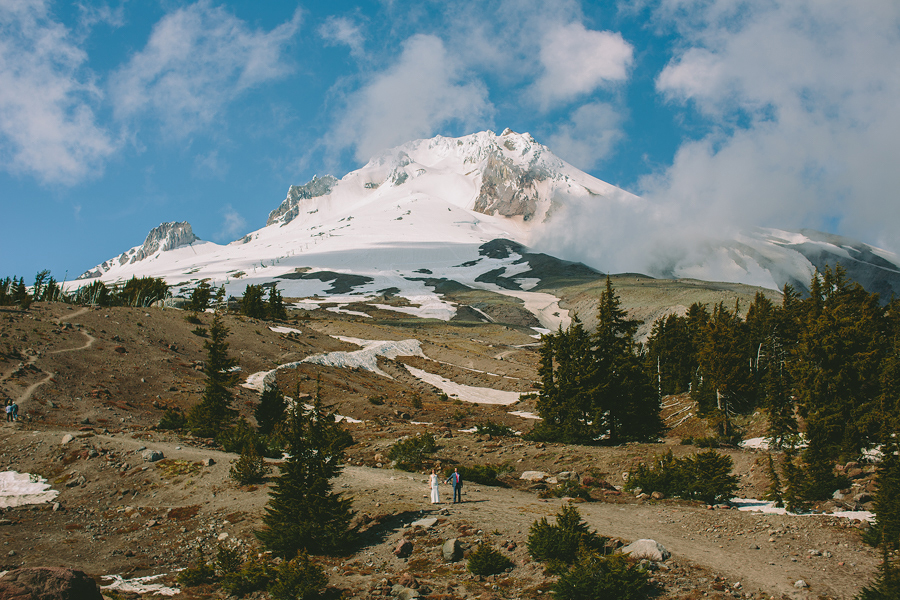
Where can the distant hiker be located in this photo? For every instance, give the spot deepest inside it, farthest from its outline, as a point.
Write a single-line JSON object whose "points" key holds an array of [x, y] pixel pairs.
{"points": [[8, 411], [455, 480], [435, 496], [15, 411]]}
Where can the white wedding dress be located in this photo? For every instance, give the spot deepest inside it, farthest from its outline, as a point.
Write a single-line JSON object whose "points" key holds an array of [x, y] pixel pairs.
{"points": [[435, 496]]}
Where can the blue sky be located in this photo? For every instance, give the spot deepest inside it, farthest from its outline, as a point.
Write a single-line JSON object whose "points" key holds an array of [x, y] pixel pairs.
{"points": [[117, 116]]}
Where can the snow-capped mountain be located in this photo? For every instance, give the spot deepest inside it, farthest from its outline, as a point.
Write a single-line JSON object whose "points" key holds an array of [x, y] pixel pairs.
{"points": [[431, 210]]}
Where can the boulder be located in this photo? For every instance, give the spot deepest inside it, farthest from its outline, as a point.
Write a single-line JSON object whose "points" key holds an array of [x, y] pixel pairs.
{"points": [[649, 549], [426, 522], [66, 439], [533, 476], [403, 593], [48, 583], [452, 550], [567, 476], [657, 495], [152, 455]]}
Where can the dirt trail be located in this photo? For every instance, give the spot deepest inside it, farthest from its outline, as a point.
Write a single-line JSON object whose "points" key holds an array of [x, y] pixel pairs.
{"points": [[27, 393], [742, 554]]}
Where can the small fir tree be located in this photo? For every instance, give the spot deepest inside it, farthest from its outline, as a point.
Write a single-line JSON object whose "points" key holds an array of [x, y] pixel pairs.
{"points": [[303, 513], [213, 414], [252, 303], [270, 410], [200, 297], [275, 308]]}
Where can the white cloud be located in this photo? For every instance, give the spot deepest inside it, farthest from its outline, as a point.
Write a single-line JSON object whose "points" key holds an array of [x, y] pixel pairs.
{"points": [[197, 59], [341, 30], [588, 136], [577, 61], [233, 224], [802, 95], [47, 99], [424, 90]]}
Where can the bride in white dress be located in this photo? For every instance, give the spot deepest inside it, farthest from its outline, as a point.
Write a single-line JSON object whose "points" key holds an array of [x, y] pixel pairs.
{"points": [[435, 497]]}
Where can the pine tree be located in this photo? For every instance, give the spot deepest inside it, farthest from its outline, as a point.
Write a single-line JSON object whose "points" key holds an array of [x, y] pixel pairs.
{"points": [[837, 374], [20, 294], [270, 410], [200, 297], [275, 309], [213, 414], [303, 514], [625, 402], [565, 402], [252, 303]]}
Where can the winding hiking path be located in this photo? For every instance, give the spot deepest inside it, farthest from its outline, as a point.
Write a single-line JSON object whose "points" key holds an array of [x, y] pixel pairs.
{"points": [[27, 393]]}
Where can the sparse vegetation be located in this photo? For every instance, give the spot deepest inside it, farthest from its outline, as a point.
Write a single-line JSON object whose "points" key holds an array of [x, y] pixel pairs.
{"points": [[486, 560], [412, 452], [557, 545], [596, 576], [705, 476]]}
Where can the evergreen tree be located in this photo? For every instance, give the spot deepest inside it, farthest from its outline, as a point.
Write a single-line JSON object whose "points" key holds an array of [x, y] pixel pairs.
{"points": [[40, 280], [303, 514], [837, 374], [625, 402], [20, 294], [671, 358], [275, 309], [200, 297], [726, 365], [252, 303], [565, 402], [143, 291], [213, 414], [270, 410]]}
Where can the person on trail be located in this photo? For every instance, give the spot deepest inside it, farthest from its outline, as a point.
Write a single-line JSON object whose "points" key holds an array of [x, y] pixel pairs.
{"points": [[15, 411], [455, 480], [8, 411], [435, 495]]}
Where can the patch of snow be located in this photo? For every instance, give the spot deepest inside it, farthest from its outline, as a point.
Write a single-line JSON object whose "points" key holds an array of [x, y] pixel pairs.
{"points": [[139, 585], [19, 489], [282, 329], [340, 309], [525, 414], [466, 393], [763, 506], [367, 358]]}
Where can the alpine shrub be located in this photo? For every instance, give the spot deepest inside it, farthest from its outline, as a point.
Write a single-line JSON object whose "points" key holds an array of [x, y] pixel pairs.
{"points": [[494, 429], [250, 467], [595, 576], [557, 545], [411, 452], [173, 419], [705, 476], [487, 561], [298, 579]]}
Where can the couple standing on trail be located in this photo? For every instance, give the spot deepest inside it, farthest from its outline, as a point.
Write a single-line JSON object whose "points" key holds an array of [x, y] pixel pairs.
{"points": [[454, 480]]}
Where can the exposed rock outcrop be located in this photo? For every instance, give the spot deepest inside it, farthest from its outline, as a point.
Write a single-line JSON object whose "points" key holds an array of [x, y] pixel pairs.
{"points": [[290, 208], [48, 583]]}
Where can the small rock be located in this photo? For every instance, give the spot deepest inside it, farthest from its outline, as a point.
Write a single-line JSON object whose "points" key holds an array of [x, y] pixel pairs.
{"points": [[208, 462], [426, 522], [657, 495], [533, 476], [649, 549], [152, 455], [800, 584], [66, 439], [452, 550], [403, 549]]}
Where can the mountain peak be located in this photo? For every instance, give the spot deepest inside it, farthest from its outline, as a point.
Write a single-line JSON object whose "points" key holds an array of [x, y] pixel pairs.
{"points": [[167, 236]]}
